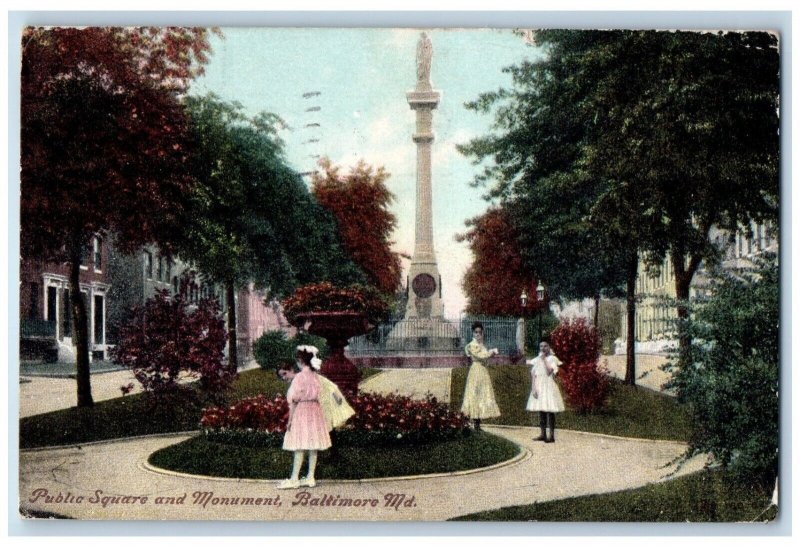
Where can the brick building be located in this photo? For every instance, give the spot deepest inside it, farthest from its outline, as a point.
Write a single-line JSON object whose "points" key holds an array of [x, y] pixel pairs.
{"points": [[46, 327]]}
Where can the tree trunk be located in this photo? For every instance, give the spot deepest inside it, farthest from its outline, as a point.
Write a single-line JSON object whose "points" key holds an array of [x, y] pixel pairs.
{"points": [[597, 312], [80, 330], [630, 282], [683, 281], [230, 297]]}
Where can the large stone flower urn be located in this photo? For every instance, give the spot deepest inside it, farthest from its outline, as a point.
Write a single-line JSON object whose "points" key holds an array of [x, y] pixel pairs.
{"points": [[337, 328]]}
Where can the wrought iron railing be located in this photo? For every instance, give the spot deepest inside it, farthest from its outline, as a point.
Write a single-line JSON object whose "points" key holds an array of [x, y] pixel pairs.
{"points": [[37, 328], [434, 337]]}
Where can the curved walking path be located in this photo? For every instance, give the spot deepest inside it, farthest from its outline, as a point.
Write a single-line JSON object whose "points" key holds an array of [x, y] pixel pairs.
{"points": [[414, 383], [577, 464]]}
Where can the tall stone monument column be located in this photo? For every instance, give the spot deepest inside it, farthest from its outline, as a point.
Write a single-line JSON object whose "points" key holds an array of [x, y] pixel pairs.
{"points": [[425, 337], [425, 294]]}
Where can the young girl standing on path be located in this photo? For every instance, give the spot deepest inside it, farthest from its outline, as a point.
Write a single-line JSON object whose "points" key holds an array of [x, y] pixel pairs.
{"points": [[307, 430], [479, 402], [545, 396]]}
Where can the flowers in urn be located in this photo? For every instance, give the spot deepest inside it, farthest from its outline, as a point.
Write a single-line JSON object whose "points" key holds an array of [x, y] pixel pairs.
{"points": [[326, 297]]}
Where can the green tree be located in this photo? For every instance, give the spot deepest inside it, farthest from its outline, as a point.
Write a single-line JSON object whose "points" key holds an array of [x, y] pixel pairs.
{"points": [[732, 381], [251, 217], [620, 145]]}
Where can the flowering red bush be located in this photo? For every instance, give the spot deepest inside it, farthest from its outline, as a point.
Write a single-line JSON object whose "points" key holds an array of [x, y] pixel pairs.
{"points": [[165, 339], [577, 344], [378, 419], [327, 297]]}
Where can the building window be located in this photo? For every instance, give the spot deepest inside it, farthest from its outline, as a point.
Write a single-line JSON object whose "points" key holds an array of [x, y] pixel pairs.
{"points": [[86, 252], [66, 323], [52, 298], [148, 264], [160, 268], [169, 269], [98, 320], [98, 254], [33, 303], [175, 287]]}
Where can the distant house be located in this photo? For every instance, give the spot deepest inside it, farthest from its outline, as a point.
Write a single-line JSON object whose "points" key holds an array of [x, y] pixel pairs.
{"points": [[257, 314], [46, 328], [135, 277], [656, 314]]}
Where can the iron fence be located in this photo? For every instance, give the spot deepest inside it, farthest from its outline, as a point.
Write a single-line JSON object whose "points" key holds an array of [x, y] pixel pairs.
{"points": [[37, 328], [434, 337]]}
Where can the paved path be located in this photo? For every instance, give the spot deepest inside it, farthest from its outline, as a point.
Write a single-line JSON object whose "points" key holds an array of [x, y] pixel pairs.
{"points": [[648, 370], [576, 464], [38, 395], [415, 383]]}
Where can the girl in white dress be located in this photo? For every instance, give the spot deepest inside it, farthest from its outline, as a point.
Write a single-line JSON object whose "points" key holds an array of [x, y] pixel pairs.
{"points": [[479, 399], [545, 396]]}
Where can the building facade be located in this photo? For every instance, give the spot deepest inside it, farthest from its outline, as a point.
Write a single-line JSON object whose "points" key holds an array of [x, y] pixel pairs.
{"points": [[136, 277], [46, 326], [656, 315]]}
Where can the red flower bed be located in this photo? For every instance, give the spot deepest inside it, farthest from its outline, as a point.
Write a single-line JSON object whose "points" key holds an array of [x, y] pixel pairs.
{"points": [[378, 419], [403, 415], [250, 414]]}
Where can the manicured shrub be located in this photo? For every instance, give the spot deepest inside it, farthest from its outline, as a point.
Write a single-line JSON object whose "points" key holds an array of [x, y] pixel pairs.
{"points": [[166, 341], [273, 347], [586, 385]]}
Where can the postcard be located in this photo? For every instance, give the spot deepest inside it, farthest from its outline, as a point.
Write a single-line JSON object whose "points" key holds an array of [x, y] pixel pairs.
{"points": [[399, 274]]}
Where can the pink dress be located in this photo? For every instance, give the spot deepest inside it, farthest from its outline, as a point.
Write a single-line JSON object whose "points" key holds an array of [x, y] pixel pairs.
{"points": [[307, 429]]}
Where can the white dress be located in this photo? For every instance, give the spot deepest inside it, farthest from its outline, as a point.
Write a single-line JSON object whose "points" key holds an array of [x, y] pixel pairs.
{"points": [[549, 399]]}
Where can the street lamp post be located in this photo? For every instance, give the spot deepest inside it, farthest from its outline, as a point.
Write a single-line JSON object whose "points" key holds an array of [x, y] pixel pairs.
{"points": [[523, 298], [539, 299]]}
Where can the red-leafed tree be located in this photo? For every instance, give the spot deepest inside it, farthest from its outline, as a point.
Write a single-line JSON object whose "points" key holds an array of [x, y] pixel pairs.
{"points": [[494, 282], [102, 144], [360, 203]]}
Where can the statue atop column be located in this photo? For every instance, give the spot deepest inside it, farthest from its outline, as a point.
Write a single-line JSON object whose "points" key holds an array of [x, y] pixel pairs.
{"points": [[424, 54]]}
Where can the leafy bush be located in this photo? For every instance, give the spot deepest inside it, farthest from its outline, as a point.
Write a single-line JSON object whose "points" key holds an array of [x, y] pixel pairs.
{"points": [[732, 381], [165, 341], [321, 297], [379, 420], [273, 347], [586, 385]]}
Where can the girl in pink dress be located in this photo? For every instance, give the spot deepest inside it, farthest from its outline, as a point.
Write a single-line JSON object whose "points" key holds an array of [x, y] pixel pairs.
{"points": [[307, 430]]}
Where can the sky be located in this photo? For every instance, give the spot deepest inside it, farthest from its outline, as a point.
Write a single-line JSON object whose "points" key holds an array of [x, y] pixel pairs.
{"points": [[362, 76]]}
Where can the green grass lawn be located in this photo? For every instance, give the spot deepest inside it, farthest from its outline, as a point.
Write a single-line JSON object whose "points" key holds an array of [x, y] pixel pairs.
{"points": [[709, 496], [631, 412], [201, 456], [135, 415]]}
